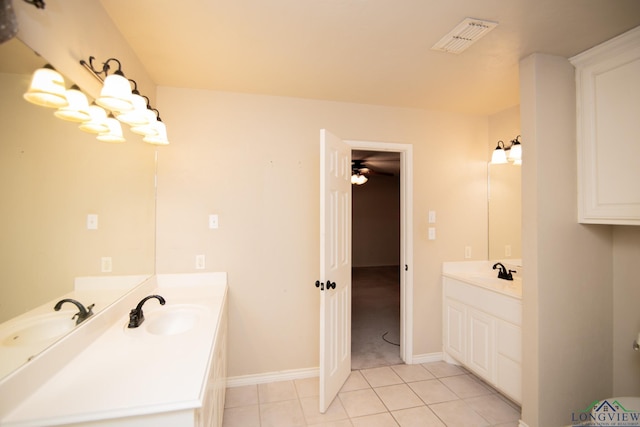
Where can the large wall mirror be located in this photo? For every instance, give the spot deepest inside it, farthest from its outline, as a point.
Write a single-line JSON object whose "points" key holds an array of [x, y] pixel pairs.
{"points": [[505, 212], [52, 176]]}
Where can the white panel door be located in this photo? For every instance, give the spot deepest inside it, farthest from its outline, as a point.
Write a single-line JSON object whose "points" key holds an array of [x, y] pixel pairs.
{"points": [[335, 266]]}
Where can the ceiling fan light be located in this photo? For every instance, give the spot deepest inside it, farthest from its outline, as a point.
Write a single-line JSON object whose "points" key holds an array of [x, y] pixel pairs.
{"points": [[116, 93], [78, 108], [97, 122], [114, 134], [47, 88], [358, 179]]}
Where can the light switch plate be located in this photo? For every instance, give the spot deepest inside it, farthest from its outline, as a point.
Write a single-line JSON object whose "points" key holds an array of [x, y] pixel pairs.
{"points": [[92, 222], [432, 217], [213, 221], [432, 233]]}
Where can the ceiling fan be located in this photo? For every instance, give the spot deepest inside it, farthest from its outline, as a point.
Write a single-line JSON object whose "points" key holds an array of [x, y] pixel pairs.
{"points": [[361, 171]]}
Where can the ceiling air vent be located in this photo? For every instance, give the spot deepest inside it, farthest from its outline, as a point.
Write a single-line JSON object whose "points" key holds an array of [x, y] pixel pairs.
{"points": [[464, 35]]}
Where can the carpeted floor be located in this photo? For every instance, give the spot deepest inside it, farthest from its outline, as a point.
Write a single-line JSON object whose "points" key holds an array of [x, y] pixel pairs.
{"points": [[375, 317]]}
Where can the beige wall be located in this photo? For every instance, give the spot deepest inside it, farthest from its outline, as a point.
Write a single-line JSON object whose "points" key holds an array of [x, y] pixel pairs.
{"points": [[376, 222], [567, 292], [505, 202], [254, 160]]}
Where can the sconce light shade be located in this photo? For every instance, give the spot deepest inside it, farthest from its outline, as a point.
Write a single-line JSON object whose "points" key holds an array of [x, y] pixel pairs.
{"points": [[114, 134], [160, 138], [137, 116], [78, 108], [47, 88], [97, 122], [499, 156], [515, 153], [149, 129], [116, 93]]}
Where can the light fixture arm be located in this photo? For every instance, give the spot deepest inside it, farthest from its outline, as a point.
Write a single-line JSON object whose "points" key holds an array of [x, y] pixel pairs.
{"points": [[105, 68], [37, 3]]}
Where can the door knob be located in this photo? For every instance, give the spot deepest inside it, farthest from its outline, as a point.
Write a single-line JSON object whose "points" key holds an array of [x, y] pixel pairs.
{"points": [[320, 285], [331, 285]]}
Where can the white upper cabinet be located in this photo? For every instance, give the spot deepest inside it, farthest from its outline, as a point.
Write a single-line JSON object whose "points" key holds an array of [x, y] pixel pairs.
{"points": [[608, 113]]}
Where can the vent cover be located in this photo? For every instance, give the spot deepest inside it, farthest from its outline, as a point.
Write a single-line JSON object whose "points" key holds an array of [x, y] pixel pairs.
{"points": [[464, 35]]}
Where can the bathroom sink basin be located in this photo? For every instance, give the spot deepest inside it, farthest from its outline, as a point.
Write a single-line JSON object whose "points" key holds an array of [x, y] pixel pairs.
{"points": [[173, 320], [45, 327]]}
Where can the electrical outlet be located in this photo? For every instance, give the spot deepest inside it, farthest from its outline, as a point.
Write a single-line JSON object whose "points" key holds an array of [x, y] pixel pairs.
{"points": [[106, 264], [199, 262], [432, 233], [467, 252], [507, 250]]}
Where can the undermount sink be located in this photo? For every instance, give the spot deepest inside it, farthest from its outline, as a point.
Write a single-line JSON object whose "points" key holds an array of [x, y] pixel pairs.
{"points": [[44, 327], [172, 320]]}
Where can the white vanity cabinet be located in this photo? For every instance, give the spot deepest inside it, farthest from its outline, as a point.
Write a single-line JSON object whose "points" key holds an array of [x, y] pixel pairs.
{"points": [[608, 114], [482, 331]]}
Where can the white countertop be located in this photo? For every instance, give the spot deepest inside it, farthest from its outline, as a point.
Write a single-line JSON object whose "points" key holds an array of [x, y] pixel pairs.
{"points": [[481, 273], [127, 372]]}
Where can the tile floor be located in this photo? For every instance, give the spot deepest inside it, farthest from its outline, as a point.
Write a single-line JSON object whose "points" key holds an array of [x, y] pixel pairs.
{"points": [[431, 394]]}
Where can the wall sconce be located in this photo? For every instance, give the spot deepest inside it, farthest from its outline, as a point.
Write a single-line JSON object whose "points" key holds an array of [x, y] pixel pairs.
{"points": [[499, 155], [47, 88]]}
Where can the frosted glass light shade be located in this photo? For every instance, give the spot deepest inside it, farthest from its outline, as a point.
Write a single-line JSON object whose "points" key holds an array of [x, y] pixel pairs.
{"points": [[78, 108], [97, 122], [114, 134], [499, 156], [115, 94], [47, 88], [515, 153], [160, 138], [137, 116], [358, 179], [148, 129]]}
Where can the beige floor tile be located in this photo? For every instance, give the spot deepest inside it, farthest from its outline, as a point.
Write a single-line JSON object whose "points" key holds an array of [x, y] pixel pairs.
{"points": [[421, 416], [355, 382], [412, 373], [432, 391], [398, 396], [494, 409], [341, 423], [242, 416], [277, 391], [359, 403], [286, 413], [379, 377], [377, 420], [458, 414], [308, 387], [241, 396], [466, 386], [310, 409], [443, 369]]}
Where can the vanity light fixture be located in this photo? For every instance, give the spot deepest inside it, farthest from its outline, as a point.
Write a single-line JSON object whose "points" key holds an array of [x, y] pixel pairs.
{"points": [[37, 3], [499, 155], [47, 88], [114, 132], [78, 108], [97, 122], [160, 136], [137, 116]]}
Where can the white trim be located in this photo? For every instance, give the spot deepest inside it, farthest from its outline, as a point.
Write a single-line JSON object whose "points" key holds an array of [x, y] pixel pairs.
{"points": [[427, 358], [406, 237], [522, 424], [292, 374]]}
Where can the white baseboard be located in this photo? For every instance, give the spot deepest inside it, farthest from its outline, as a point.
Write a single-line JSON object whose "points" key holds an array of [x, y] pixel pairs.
{"points": [[427, 358], [293, 374], [522, 424], [296, 374]]}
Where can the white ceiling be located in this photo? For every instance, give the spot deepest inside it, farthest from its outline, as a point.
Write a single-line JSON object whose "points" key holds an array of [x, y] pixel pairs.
{"points": [[363, 51]]}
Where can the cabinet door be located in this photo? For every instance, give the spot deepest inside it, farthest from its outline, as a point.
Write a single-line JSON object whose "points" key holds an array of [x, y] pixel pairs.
{"points": [[608, 88], [509, 359], [481, 356], [455, 329]]}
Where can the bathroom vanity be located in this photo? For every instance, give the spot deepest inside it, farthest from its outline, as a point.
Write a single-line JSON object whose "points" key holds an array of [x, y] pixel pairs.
{"points": [[482, 323], [170, 371]]}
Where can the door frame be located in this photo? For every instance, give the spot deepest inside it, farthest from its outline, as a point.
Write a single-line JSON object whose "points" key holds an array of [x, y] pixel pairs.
{"points": [[406, 237]]}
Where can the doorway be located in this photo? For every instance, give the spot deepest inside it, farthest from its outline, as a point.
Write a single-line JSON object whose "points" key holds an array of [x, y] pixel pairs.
{"points": [[386, 288]]}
